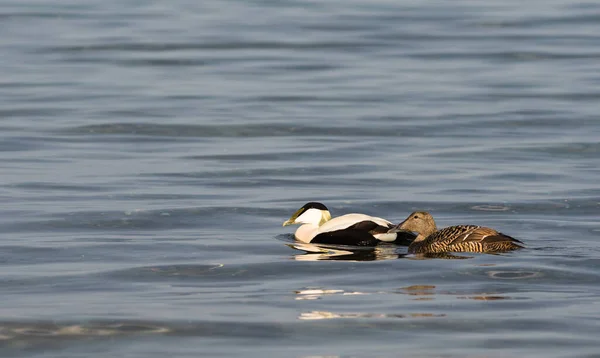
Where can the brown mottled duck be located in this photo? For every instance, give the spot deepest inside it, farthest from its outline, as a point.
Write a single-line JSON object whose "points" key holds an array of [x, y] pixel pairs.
{"points": [[459, 238]]}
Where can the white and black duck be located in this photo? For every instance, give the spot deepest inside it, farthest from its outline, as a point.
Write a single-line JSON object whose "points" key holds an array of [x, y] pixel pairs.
{"points": [[318, 227]]}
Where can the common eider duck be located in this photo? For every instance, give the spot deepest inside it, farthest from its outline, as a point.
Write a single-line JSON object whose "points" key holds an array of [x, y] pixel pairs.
{"points": [[459, 238], [351, 229]]}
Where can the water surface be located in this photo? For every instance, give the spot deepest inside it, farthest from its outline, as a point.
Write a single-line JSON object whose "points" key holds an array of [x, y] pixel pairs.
{"points": [[149, 153]]}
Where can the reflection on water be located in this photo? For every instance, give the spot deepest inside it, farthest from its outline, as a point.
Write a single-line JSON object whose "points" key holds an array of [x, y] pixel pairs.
{"points": [[428, 293], [315, 294], [514, 275], [441, 255], [320, 252], [417, 293], [483, 298], [23, 331], [318, 315], [421, 291], [418, 290], [45, 334]]}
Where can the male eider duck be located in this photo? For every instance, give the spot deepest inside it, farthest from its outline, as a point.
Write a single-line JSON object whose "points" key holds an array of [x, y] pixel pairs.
{"points": [[351, 229], [460, 238]]}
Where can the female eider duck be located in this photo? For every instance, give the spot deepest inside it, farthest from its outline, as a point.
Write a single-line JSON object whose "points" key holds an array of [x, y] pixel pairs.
{"points": [[460, 238], [351, 229]]}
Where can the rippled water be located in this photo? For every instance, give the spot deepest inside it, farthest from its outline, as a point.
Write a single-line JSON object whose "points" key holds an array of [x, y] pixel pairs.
{"points": [[151, 150]]}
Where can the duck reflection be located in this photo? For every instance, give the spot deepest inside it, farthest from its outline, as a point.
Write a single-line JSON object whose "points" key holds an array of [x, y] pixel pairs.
{"points": [[440, 255], [321, 252], [320, 315], [428, 292], [314, 252], [482, 298], [318, 293]]}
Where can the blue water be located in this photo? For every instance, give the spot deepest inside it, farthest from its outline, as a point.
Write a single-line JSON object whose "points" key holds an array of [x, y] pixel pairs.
{"points": [[150, 151]]}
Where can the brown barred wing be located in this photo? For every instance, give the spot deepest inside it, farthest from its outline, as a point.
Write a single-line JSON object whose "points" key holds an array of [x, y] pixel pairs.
{"points": [[440, 240], [471, 233], [483, 234], [452, 234], [466, 238], [483, 239]]}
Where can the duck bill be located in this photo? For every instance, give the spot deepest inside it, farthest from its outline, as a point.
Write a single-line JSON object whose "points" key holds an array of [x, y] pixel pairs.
{"points": [[400, 228], [292, 220], [288, 222]]}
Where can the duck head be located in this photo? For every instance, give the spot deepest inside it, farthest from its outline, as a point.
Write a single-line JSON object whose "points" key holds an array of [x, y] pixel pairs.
{"points": [[311, 213], [420, 222]]}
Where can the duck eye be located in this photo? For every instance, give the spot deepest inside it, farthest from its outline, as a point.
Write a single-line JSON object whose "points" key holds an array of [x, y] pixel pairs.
{"points": [[416, 216]]}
